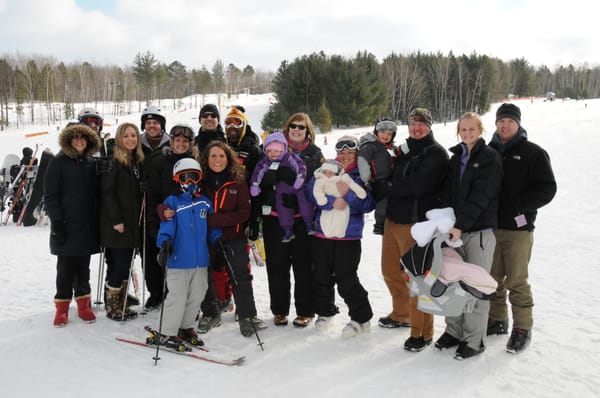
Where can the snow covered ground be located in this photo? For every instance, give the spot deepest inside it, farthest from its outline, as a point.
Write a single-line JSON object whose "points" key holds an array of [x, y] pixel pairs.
{"points": [[562, 361]]}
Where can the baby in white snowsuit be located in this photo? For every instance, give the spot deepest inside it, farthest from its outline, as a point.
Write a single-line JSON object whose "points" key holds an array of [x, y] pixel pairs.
{"points": [[334, 222]]}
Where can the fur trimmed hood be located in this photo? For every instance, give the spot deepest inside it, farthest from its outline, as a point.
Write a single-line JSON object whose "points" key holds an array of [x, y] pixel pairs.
{"points": [[64, 140]]}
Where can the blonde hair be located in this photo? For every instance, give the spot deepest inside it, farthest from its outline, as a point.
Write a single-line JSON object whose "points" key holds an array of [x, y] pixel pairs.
{"points": [[470, 115], [120, 153], [300, 117]]}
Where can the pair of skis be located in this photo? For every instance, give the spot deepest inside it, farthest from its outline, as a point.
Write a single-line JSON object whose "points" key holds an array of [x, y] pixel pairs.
{"points": [[203, 357]]}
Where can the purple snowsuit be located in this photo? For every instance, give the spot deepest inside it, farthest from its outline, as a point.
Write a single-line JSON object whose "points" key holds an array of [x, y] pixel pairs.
{"points": [[294, 162]]}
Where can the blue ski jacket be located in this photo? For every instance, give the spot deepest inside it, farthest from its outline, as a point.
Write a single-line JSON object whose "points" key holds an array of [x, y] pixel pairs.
{"points": [[188, 230]]}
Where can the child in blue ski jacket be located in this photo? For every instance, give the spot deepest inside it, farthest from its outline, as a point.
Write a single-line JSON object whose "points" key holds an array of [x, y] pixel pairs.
{"points": [[183, 240]]}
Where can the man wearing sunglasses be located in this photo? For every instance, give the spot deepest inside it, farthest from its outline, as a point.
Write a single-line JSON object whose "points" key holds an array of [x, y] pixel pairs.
{"points": [[420, 168], [210, 128]]}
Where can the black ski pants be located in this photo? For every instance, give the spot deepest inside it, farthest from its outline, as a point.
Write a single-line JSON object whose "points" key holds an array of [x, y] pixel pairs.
{"points": [[281, 257], [72, 277], [336, 262]]}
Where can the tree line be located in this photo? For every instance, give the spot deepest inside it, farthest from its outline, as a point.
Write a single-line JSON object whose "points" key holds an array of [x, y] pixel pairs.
{"points": [[333, 89], [358, 90], [37, 79]]}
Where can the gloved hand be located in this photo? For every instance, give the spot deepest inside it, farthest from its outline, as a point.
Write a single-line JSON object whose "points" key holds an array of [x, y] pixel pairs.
{"points": [[144, 186], [254, 190], [298, 183], [289, 200], [163, 255], [253, 229], [103, 166], [287, 175], [57, 232]]}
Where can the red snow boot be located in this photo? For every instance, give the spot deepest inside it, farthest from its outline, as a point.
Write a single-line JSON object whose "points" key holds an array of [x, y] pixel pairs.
{"points": [[62, 313], [84, 310]]}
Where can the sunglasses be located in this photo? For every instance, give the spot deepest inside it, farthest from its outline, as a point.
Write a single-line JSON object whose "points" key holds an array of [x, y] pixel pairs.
{"points": [[186, 133], [234, 122], [77, 137], [208, 115], [341, 145], [295, 126], [187, 177]]}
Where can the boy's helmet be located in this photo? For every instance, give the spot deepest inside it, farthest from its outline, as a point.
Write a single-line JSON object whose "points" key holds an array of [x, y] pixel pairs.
{"points": [[187, 171]]}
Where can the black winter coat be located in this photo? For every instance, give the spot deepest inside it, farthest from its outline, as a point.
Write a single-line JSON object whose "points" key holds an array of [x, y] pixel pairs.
{"points": [[121, 203], [71, 195], [152, 173], [528, 182], [417, 180], [204, 137], [248, 152], [474, 196]]}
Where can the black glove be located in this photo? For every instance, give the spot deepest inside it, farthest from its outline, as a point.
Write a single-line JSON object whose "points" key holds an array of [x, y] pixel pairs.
{"points": [[163, 255], [57, 232], [144, 186], [253, 229], [289, 200], [287, 175], [103, 166]]}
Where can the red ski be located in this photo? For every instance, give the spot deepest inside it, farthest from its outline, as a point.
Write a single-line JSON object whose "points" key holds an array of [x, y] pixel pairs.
{"points": [[234, 362]]}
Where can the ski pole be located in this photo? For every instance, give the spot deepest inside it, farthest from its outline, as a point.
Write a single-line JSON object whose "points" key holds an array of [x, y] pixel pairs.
{"points": [[143, 253], [162, 307], [128, 279], [100, 275]]}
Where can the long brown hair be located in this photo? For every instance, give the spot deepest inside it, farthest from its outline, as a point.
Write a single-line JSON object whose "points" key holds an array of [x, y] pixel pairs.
{"points": [[234, 168], [120, 153]]}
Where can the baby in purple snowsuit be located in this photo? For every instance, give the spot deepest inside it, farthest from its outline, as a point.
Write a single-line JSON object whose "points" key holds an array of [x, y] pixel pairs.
{"points": [[277, 155]]}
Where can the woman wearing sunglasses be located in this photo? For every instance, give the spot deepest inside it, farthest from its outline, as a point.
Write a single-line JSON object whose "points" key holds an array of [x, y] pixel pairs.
{"points": [[294, 255]]}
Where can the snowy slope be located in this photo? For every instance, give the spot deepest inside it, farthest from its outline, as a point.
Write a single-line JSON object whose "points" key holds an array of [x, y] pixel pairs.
{"points": [[562, 361]]}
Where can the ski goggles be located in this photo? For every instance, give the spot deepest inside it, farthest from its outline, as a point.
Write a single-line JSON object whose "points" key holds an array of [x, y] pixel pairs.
{"points": [[234, 122], [92, 121], [187, 177], [346, 144], [181, 132], [295, 126]]}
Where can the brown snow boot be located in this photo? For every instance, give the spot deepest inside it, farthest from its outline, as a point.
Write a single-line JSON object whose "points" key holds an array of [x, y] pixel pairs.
{"points": [[129, 313]]}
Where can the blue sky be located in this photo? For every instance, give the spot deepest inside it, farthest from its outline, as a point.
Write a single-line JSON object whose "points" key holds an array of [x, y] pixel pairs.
{"points": [[263, 33], [105, 6]]}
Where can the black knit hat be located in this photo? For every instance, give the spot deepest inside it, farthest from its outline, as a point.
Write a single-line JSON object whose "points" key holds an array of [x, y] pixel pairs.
{"points": [[212, 108], [420, 115], [509, 110], [27, 152]]}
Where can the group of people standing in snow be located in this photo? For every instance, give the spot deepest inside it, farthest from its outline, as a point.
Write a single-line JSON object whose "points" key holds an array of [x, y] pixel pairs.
{"points": [[191, 202]]}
